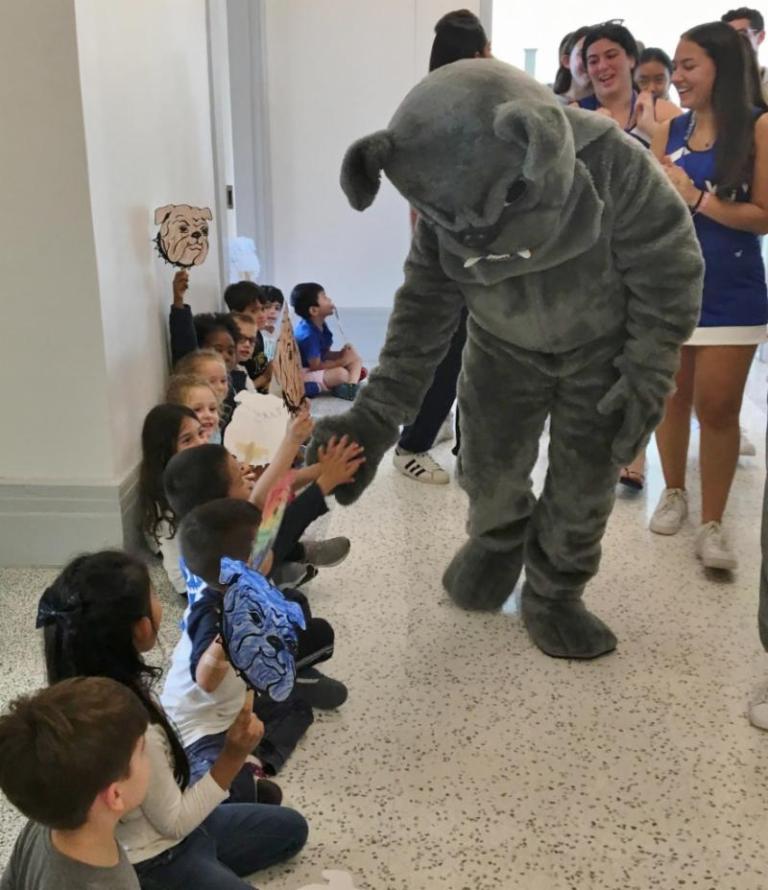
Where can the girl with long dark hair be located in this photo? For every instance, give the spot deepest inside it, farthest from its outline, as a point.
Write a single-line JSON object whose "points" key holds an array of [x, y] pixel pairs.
{"points": [[167, 430], [99, 617], [716, 156]]}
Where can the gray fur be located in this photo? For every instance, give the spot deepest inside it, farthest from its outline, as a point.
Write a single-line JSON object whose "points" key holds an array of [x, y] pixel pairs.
{"points": [[587, 330], [362, 166]]}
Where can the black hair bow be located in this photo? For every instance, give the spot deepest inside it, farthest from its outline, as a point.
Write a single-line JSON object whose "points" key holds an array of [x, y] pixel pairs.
{"points": [[49, 611]]}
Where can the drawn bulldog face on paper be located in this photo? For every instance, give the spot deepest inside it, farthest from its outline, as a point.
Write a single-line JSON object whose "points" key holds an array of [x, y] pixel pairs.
{"points": [[258, 628], [183, 237]]}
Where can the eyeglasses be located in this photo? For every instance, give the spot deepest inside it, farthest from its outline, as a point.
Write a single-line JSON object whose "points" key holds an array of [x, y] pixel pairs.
{"points": [[251, 340]]}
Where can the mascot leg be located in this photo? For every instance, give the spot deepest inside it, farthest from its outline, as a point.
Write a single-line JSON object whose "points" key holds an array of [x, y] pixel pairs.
{"points": [[562, 551], [503, 404]]}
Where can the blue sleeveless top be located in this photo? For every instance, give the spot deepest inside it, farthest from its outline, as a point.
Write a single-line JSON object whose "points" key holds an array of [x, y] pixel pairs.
{"points": [[734, 276]]}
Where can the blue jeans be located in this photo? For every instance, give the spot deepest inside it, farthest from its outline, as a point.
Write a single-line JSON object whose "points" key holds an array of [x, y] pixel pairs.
{"points": [[234, 841]]}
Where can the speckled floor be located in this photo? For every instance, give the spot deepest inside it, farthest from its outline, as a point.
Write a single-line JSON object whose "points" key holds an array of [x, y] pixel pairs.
{"points": [[467, 760]]}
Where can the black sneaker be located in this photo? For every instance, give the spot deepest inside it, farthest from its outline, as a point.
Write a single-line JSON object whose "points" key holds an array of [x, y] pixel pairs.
{"points": [[268, 792], [320, 691]]}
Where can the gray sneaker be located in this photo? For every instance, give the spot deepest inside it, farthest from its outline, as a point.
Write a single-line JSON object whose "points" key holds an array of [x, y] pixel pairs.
{"points": [[326, 553]]}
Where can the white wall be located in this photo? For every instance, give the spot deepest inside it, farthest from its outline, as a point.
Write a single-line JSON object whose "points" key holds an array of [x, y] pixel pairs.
{"points": [[336, 72], [655, 23], [146, 103], [53, 369]]}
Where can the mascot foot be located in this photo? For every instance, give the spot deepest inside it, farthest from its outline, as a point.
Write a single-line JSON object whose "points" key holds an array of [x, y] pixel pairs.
{"points": [[482, 579], [565, 628]]}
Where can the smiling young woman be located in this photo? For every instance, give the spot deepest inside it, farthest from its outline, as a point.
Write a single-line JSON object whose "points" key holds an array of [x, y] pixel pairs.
{"points": [[610, 56], [716, 157]]}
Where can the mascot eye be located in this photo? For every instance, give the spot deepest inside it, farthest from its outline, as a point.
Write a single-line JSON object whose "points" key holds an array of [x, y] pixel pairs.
{"points": [[515, 192], [204, 230], [183, 230], [256, 617]]}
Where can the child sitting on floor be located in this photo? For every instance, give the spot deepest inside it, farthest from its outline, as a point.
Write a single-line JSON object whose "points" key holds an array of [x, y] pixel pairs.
{"points": [[100, 617], [167, 430], [202, 688], [73, 760], [275, 303], [245, 298], [191, 479], [324, 368], [252, 364], [208, 364], [196, 394], [206, 330]]}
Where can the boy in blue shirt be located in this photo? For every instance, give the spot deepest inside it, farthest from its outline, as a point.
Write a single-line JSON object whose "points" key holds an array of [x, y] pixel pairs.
{"points": [[324, 368]]}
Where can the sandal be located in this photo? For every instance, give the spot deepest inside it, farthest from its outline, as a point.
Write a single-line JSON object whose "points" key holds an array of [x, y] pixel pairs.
{"points": [[632, 479]]}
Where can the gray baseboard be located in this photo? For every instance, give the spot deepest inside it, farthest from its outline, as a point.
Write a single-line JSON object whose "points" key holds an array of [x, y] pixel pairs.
{"points": [[47, 524]]}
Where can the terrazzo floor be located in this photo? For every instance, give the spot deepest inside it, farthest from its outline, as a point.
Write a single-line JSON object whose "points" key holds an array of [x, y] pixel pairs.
{"points": [[467, 760]]}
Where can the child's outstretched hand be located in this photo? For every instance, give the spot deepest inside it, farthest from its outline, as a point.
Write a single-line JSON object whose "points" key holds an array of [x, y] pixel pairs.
{"points": [[246, 731], [180, 287], [339, 461], [300, 427]]}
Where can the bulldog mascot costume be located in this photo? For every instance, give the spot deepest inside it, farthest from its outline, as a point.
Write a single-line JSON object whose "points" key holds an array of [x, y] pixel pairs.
{"points": [[582, 276]]}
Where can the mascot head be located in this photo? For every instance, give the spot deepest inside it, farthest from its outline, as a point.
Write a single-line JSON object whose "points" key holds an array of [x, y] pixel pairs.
{"points": [[483, 152], [258, 627]]}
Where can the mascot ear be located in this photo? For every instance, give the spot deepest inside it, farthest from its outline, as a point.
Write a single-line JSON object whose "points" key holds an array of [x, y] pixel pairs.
{"points": [[361, 168], [540, 130]]}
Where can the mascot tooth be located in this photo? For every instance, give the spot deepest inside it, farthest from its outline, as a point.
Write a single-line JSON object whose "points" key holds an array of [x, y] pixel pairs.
{"points": [[587, 331]]}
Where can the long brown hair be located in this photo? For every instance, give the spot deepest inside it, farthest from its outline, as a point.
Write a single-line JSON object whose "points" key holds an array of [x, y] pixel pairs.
{"points": [[733, 102]]}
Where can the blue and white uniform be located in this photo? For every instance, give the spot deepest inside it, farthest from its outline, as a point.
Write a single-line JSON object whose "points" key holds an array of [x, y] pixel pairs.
{"points": [[591, 103], [735, 303]]}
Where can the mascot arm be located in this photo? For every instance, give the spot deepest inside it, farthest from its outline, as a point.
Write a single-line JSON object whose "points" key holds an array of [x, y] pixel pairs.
{"points": [[657, 253], [426, 313]]}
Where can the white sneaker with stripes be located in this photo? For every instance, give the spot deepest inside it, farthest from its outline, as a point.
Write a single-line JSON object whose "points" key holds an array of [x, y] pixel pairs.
{"points": [[420, 467]]}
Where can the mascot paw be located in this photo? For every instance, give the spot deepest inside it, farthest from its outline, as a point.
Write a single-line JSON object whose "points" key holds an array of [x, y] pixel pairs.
{"points": [[565, 628], [375, 437], [482, 579]]}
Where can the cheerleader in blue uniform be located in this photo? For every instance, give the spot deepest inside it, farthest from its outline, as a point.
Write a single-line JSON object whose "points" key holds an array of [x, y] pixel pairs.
{"points": [[716, 156]]}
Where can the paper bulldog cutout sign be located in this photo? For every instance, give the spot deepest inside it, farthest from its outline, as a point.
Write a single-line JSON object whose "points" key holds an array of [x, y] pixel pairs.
{"points": [[287, 365], [257, 428], [259, 630], [183, 237]]}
